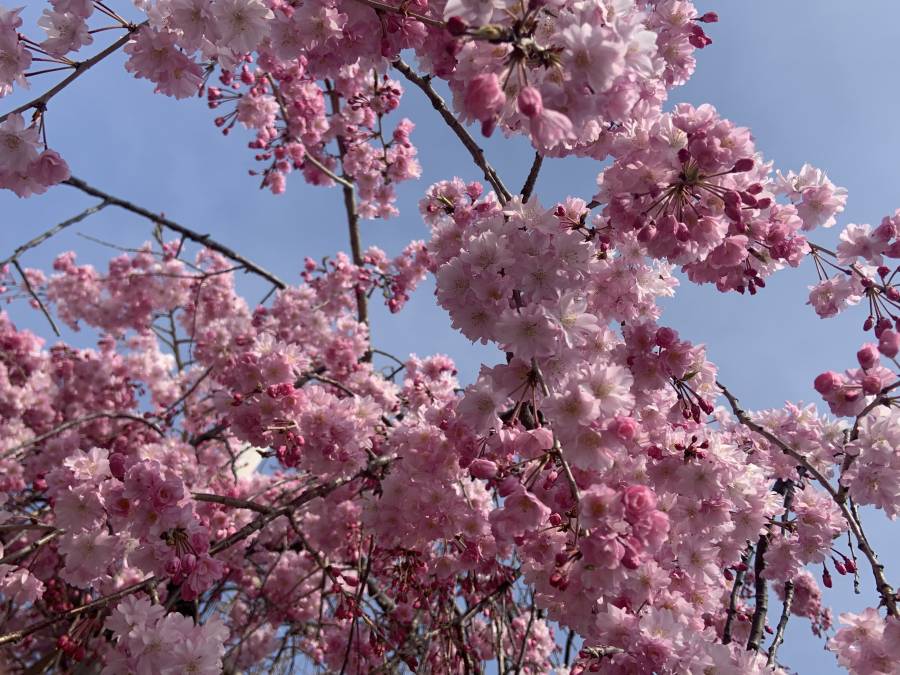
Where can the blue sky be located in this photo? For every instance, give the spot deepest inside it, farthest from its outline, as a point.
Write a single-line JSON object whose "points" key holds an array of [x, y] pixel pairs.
{"points": [[814, 80]]}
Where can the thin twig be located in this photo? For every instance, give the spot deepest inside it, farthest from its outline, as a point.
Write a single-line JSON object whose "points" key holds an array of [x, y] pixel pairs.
{"points": [[15, 556], [41, 238], [782, 622], [35, 297], [735, 594]]}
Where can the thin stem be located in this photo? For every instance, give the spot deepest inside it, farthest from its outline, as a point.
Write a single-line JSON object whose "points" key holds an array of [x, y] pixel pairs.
{"points": [[35, 297], [41, 238]]}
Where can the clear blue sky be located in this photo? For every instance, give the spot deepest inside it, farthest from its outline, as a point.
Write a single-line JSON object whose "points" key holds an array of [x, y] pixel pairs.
{"points": [[815, 80]]}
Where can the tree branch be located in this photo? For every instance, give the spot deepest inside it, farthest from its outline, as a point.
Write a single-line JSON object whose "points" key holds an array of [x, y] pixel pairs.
{"points": [[424, 83], [782, 622], [350, 206], [186, 232], [41, 101], [41, 238], [528, 188]]}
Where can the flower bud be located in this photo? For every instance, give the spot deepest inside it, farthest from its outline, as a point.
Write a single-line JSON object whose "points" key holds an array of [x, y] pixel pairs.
{"points": [[867, 356], [456, 26], [826, 382], [483, 468], [530, 102], [889, 343]]}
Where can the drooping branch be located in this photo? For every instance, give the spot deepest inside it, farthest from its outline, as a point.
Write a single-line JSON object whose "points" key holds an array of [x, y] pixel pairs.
{"points": [[186, 232], [735, 594], [35, 297], [424, 83]]}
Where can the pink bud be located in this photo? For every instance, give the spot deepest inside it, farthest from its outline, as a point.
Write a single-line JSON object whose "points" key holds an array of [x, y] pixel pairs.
{"points": [[826, 382], [867, 356], [507, 486], [666, 337], [742, 165], [889, 343], [483, 468], [117, 465], [871, 384], [530, 102], [709, 17]]}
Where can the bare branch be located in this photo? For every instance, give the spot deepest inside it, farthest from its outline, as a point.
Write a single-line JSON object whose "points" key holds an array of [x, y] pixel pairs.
{"points": [[186, 232], [424, 83]]}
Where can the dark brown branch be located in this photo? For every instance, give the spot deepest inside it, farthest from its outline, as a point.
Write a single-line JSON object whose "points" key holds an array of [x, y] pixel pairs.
{"points": [[880, 399], [782, 622], [40, 103], [187, 233], [758, 623], [351, 208], [31, 548], [231, 501], [17, 635], [528, 188], [402, 11], [521, 657], [424, 83], [307, 496]]}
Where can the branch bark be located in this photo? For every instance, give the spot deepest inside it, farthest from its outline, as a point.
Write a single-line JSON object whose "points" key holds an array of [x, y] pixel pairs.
{"points": [[424, 83], [186, 232], [40, 103]]}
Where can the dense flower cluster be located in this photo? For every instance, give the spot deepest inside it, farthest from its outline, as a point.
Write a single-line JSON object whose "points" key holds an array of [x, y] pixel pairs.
{"points": [[221, 487]]}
